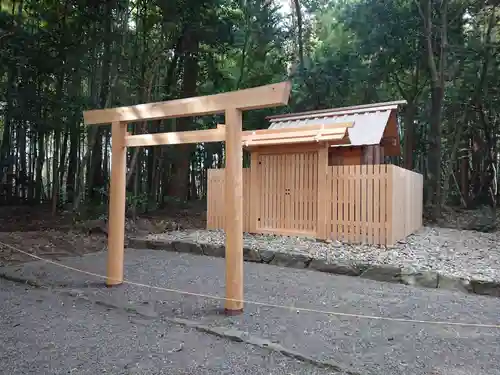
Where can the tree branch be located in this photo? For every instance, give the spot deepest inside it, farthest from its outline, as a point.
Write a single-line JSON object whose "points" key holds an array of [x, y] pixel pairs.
{"points": [[444, 39], [298, 14], [400, 88]]}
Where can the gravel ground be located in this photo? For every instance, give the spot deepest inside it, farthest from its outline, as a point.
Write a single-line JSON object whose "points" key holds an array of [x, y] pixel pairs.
{"points": [[47, 333], [458, 253], [367, 346]]}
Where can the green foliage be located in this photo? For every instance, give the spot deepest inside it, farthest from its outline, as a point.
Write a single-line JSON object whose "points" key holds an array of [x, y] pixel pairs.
{"points": [[59, 58], [133, 200]]}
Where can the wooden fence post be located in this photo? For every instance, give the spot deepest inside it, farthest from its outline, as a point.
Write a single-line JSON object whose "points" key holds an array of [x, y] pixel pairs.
{"points": [[254, 192], [324, 194], [116, 222], [234, 213], [390, 200]]}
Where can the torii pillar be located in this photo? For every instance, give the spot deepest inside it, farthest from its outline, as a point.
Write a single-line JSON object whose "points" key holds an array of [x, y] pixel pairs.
{"points": [[234, 212]]}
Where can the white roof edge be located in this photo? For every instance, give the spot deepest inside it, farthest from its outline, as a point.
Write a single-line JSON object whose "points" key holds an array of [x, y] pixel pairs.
{"points": [[368, 126], [334, 112]]}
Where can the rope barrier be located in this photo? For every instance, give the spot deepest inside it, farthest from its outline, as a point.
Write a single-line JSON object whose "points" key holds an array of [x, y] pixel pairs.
{"points": [[263, 304]]}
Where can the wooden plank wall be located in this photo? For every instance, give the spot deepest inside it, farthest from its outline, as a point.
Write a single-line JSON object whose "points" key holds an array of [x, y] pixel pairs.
{"points": [[407, 198], [345, 155], [215, 199], [373, 154], [288, 193], [373, 204], [272, 203]]}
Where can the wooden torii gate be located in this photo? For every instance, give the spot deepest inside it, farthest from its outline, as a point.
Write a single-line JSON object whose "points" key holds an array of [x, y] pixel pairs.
{"points": [[231, 104]]}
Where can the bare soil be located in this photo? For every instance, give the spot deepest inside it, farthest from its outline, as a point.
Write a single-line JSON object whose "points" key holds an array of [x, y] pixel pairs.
{"points": [[481, 219], [37, 231]]}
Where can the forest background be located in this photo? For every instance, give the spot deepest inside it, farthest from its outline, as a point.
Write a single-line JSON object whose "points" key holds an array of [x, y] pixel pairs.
{"points": [[59, 58]]}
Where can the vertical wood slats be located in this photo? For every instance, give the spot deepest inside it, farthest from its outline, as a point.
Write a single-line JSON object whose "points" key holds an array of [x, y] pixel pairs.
{"points": [[216, 198], [288, 191], [373, 204], [356, 215]]}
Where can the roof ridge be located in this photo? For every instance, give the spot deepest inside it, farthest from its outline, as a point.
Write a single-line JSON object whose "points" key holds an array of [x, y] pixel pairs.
{"points": [[333, 111]]}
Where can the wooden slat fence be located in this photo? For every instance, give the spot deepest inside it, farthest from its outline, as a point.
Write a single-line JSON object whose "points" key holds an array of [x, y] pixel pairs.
{"points": [[215, 199], [357, 209], [373, 204]]}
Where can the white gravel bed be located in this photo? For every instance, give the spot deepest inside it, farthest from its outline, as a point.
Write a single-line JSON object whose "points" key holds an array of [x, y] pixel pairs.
{"points": [[451, 252]]}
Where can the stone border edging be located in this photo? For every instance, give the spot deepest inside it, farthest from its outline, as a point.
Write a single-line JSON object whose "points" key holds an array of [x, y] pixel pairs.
{"points": [[384, 273]]}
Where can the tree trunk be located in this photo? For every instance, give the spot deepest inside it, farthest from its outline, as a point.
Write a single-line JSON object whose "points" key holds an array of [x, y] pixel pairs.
{"points": [[436, 61], [300, 41], [62, 158], [96, 174], [32, 168], [409, 135], [39, 168], [464, 179], [434, 170], [22, 161], [55, 170], [157, 168], [192, 181], [6, 144], [180, 177], [135, 190], [74, 145]]}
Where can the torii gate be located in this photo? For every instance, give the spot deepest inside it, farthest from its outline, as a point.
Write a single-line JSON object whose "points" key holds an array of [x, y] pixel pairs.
{"points": [[230, 103]]}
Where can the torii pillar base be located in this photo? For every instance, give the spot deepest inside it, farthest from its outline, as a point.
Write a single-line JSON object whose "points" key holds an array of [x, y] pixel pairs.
{"points": [[233, 312]]}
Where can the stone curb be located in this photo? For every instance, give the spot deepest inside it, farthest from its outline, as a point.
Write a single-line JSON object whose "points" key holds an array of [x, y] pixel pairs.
{"points": [[149, 313], [384, 273], [237, 335]]}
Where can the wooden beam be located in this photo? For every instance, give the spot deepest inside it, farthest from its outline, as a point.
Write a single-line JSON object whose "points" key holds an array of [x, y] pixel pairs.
{"points": [[299, 132], [253, 98], [339, 135], [300, 128], [176, 138], [283, 141], [219, 135], [234, 213], [279, 149], [116, 221], [340, 142]]}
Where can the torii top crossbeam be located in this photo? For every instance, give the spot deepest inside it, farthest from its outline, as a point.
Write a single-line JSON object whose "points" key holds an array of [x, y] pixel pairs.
{"points": [[254, 98]]}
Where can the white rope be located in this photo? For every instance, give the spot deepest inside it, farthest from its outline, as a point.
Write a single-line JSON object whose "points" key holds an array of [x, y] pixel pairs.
{"points": [[264, 304]]}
